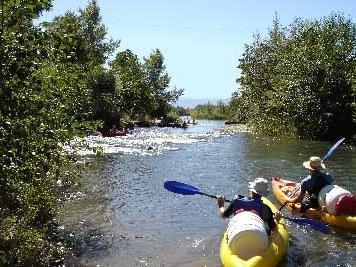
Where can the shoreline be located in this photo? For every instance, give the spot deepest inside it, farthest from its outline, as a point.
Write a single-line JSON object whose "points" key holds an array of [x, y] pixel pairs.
{"points": [[234, 129]]}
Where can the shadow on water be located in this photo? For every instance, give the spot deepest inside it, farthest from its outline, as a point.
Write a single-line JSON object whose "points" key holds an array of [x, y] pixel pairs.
{"points": [[125, 217]]}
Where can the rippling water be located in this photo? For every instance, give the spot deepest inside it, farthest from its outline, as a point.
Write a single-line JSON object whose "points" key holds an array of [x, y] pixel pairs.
{"points": [[124, 216]]}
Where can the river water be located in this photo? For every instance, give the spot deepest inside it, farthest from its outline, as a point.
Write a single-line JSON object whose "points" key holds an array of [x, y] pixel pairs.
{"points": [[122, 215]]}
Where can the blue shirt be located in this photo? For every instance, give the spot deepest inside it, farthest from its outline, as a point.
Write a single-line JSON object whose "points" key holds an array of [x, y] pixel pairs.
{"points": [[315, 182]]}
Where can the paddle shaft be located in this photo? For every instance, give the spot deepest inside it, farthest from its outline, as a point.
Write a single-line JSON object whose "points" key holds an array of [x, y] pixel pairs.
{"points": [[285, 203], [212, 196]]}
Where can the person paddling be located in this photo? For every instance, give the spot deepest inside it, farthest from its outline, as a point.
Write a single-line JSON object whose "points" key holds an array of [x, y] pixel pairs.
{"points": [[254, 203], [312, 184]]}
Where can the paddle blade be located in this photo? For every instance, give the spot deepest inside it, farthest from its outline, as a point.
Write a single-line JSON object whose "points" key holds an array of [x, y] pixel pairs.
{"points": [[316, 225], [181, 188], [331, 150]]}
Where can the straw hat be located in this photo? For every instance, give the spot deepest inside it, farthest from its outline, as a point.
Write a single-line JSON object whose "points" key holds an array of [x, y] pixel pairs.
{"points": [[314, 163], [259, 186]]}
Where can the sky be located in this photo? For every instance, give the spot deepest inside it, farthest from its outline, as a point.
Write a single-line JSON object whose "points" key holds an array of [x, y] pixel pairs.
{"points": [[201, 40]]}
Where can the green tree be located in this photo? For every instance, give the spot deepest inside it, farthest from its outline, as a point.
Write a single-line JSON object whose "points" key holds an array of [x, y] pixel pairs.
{"points": [[42, 106], [219, 111], [157, 80], [238, 108], [81, 41], [135, 97], [25, 199], [303, 78], [106, 100], [82, 38]]}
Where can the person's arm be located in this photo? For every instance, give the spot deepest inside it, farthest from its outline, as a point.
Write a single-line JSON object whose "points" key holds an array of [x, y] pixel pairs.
{"points": [[300, 194], [298, 198], [221, 204], [269, 218], [277, 217], [223, 212]]}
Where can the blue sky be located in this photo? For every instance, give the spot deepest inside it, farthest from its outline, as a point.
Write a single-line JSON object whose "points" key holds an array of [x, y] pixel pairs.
{"points": [[201, 40]]}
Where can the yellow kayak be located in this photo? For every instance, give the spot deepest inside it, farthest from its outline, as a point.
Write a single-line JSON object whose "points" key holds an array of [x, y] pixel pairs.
{"points": [[282, 187], [277, 247]]}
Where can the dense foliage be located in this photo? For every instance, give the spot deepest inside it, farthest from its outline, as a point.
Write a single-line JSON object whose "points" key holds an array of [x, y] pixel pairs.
{"points": [[219, 111], [157, 80], [143, 87], [40, 98], [300, 80], [54, 85]]}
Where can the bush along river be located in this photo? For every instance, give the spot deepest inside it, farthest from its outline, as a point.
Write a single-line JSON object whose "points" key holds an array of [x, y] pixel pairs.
{"points": [[122, 215]]}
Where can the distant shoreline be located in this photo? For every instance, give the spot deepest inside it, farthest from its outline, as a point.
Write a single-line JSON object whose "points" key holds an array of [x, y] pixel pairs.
{"points": [[188, 102]]}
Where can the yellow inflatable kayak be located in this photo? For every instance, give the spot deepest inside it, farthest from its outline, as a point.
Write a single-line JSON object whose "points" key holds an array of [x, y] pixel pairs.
{"points": [[275, 251], [282, 187]]}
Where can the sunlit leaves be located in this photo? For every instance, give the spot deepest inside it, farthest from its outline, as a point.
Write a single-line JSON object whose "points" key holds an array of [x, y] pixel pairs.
{"points": [[300, 80], [135, 94], [158, 80], [44, 98]]}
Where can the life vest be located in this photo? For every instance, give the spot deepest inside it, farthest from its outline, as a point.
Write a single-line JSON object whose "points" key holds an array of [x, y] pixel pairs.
{"points": [[247, 204], [320, 182]]}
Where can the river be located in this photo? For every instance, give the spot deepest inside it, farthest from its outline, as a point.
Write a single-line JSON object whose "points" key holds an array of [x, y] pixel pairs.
{"points": [[122, 216]]}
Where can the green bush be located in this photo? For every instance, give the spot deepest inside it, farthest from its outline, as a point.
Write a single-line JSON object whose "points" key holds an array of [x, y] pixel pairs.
{"points": [[300, 80]]}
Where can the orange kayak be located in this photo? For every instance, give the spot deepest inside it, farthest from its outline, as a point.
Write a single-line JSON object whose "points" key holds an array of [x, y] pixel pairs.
{"points": [[282, 187]]}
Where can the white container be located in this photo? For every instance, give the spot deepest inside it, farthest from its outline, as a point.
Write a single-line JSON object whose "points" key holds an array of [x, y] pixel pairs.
{"points": [[246, 234], [329, 195]]}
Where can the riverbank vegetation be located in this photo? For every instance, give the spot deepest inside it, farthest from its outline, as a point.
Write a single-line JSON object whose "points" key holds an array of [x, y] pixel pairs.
{"points": [[55, 83], [300, 80], [219, 111]]}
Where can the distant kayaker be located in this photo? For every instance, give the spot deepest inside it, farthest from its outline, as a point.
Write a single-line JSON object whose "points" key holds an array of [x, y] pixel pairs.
{"points": [[257, 189], [312, 184]]}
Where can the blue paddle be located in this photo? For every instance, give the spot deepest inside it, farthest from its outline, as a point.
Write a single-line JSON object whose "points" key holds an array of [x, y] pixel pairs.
{"points": [[314, 224], [186, 189], [331, 150]]}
